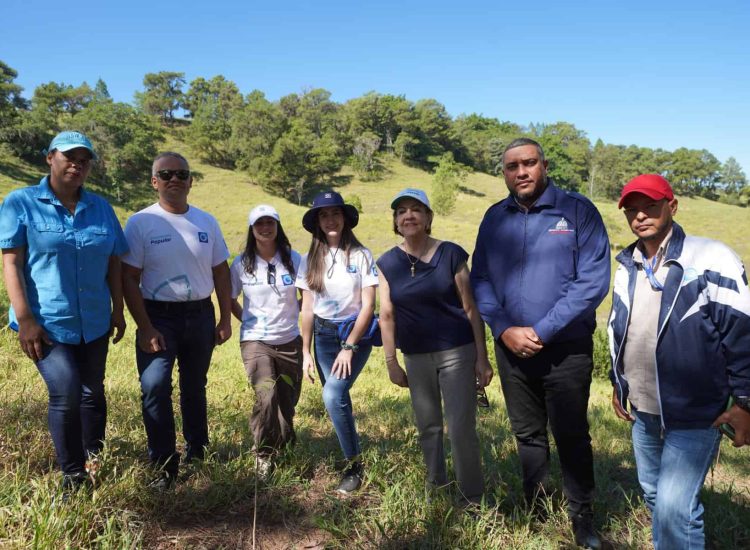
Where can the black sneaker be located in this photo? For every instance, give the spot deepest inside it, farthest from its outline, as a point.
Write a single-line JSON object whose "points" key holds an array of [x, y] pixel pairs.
{"points": [[71, 484], [583, 530], [351, 480]]}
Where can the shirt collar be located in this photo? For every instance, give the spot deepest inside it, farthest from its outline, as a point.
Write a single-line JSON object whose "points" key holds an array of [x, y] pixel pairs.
{"points": [[547, 198], [46, 193], [639, 257]]}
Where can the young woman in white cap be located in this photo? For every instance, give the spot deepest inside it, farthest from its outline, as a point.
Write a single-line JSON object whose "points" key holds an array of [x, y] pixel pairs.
{"points": [[427, 307], [338, 280], [270, 342], [61, 256]]}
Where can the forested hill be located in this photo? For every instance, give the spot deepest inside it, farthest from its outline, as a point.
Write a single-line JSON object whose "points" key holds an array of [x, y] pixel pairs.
{"points": [[230, 194], [295, 145]]}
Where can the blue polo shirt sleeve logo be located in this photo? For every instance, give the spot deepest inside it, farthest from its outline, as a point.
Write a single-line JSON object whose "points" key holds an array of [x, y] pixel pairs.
{"points": [[202, 237], [287, 279]]}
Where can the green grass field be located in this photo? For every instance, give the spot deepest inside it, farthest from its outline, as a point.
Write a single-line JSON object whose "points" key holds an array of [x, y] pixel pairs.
{"points": [[213, 506]]}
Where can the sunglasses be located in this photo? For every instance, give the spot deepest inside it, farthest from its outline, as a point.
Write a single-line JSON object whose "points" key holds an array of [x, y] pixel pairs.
{"points": [[166, 175], [271, 274]]}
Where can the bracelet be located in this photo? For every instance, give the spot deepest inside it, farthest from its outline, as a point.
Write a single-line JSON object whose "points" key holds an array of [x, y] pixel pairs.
{"points": [[352, 347]]}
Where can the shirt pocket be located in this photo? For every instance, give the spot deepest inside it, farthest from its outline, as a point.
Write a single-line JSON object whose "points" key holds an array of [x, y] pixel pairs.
{"points": [[46, 237], [98, 240]]}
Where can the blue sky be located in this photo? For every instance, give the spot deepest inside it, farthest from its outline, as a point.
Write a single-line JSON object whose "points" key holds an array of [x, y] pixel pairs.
{"points": [[659, 74]]}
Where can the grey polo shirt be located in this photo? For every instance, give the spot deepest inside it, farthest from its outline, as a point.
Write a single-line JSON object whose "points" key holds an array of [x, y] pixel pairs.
{"points": [[640, 346]]}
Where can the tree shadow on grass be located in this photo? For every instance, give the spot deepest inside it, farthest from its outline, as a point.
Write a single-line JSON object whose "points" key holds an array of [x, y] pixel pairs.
{"points": [[21, 174], [311, 190], [471, 192]]}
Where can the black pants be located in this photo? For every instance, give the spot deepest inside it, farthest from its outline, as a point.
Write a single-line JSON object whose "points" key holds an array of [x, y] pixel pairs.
{"points": [[553, 387]]}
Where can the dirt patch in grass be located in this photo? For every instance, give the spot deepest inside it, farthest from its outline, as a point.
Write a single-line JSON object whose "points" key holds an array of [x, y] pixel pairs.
{"points": [[287, 518]]}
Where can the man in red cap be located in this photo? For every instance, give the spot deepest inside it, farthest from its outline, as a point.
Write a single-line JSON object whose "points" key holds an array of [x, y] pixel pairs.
{"points": [[680, 342]]}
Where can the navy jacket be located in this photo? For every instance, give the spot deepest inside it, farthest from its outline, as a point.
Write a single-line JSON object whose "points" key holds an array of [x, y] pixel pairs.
{"points": [[703, 346], [547, 268]]}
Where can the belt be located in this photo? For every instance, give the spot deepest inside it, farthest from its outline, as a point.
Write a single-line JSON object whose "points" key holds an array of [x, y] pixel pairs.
{"points": [[326, 323], [179, 307]]}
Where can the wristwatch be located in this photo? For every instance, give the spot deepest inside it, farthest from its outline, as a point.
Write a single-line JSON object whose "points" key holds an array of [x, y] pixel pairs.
{"points": [[743, 402], [351, 347]]}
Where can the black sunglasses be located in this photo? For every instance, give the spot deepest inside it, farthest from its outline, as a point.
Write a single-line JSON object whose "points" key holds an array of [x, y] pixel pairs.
{"points": [[271, 274], [166, 175]]}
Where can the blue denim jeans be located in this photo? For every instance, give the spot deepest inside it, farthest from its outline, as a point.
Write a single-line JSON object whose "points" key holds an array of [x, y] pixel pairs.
{"points": [[672, 467], [77, 410], [189, 334], [336, 392]]}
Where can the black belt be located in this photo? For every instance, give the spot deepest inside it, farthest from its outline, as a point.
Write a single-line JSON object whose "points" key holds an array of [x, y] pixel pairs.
{"points": [[326, 323], [178, 307]]}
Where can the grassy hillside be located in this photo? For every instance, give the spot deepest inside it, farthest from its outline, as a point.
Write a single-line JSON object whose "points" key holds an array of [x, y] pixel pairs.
{"points": [[214, 504]]}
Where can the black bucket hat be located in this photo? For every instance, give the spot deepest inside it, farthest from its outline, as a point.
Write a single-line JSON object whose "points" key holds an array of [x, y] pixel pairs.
{"points": [[324, 200]]}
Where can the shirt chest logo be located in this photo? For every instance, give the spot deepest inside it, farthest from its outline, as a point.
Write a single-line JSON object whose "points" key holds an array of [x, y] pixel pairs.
{"points": [[286, 279], [561, 227], [202, 237], [351, 269], [160, 239]]}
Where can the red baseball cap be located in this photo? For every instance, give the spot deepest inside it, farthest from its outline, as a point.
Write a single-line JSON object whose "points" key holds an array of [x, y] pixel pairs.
{"points": [[651, 185]]}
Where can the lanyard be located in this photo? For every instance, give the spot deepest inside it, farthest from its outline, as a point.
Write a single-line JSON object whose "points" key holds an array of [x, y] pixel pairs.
{"points": [[649, 269]]}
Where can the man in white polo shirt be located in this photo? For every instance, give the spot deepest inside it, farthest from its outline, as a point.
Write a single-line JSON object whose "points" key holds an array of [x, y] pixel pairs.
{"points": [[177, 258]]}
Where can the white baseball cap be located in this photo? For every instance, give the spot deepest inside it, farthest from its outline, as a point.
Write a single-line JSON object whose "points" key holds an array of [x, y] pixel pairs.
{"points": [[261, 211]]}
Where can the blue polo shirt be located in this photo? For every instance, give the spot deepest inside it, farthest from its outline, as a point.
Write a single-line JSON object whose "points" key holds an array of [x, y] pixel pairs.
{"points": [[66, 259]]}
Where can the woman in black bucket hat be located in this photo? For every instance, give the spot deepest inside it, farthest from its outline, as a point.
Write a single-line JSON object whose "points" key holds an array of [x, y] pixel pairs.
{"points": [[338, 280]]}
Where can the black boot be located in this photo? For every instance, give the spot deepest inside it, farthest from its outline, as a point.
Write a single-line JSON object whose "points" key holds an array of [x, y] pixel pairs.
{"points": [[351, 480], [583, 530]]}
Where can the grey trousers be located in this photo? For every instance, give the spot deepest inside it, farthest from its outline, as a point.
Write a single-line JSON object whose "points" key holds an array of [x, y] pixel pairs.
{"points": [[449, 373], [275, 373]]}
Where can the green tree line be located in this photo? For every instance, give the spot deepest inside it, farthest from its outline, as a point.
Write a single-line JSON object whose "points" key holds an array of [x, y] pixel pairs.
{"points": [[300, 142]]}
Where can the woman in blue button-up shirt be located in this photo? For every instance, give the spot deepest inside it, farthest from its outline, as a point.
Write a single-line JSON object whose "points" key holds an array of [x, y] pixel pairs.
{"points": [[61, 258]]}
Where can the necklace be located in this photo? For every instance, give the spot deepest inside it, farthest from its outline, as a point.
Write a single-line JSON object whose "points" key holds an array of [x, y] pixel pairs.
{"points": [[329, 273], [413, 265]]}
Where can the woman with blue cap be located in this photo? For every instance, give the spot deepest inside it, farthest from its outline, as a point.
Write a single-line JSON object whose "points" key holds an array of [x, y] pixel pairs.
{"points": [[338, 280], [61, 258], [427, 307], [270, 342]]}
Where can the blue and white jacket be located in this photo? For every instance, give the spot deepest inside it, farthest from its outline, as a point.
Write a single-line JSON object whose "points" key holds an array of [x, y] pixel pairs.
{"points": [[703, 344], [546, 268]]}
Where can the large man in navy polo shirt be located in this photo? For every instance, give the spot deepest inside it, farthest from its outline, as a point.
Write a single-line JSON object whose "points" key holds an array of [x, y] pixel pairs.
{"points": [[540, 268]]}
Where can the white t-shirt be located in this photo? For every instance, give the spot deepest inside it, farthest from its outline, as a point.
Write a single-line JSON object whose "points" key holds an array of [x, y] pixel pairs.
{"points": [[270, 312], [176, 252], [343, 289]]}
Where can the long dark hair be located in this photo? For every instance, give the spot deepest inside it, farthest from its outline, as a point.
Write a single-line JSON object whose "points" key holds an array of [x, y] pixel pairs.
{"points": [[316, 256], [282, 247]]}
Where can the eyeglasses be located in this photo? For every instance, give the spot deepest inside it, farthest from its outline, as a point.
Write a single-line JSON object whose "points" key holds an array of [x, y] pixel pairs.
{"points": [[271, 274], [166, 175]]}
